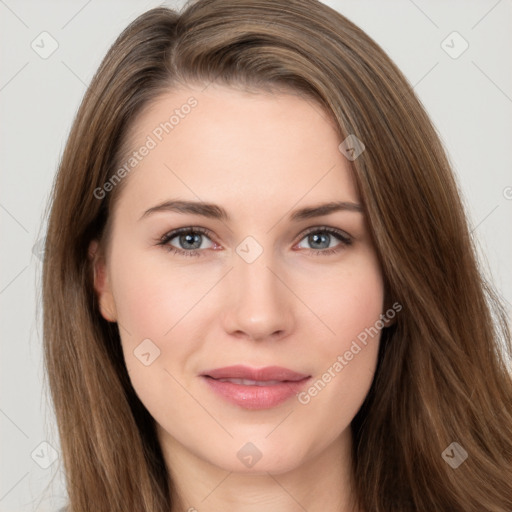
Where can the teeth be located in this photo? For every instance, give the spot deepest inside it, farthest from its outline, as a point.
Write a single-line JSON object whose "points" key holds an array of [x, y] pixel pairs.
{"points": [[247, 382]]}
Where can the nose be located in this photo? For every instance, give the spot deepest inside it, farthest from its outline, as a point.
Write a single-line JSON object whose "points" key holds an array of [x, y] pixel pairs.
{"points": [[259, 306]]}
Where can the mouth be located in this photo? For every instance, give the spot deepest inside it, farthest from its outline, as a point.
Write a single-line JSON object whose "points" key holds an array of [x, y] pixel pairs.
{"points": [[253, 388]]}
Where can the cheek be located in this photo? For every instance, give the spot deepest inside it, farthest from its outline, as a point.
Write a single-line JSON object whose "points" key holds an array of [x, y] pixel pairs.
{"points": [[350, 307], [347, 352], [167, 305], [348, 302], [154, 310], [150, 298]]}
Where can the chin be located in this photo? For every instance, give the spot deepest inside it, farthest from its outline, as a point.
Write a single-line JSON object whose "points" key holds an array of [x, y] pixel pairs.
{"points": [[258, 457]]}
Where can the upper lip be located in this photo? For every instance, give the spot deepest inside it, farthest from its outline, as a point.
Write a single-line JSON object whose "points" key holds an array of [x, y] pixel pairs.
{"points": [[258, 374]]}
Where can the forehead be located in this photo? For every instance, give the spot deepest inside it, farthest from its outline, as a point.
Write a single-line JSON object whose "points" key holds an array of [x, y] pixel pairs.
{"points": [[223, 145]]}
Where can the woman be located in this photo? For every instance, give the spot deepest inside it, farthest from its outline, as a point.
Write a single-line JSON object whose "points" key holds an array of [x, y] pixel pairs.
{"points": [[331, 344]]}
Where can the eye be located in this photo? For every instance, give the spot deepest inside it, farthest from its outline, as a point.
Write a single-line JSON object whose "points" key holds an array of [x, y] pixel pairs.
{"points": [[190, 239], [321, 240]]}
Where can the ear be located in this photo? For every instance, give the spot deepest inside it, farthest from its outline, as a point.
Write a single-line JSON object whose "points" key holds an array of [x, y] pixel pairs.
{"points": [[389, 312], [102, 283], [388, 322]]}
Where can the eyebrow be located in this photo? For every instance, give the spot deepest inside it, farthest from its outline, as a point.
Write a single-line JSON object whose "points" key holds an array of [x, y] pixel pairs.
{"points": [[214, 211]]}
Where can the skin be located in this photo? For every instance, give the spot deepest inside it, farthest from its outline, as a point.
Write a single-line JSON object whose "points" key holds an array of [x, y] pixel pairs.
{"points": [[291, 307]]}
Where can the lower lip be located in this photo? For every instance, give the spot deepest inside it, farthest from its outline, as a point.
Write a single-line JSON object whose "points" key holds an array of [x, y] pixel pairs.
{"points": [[256, 397]]}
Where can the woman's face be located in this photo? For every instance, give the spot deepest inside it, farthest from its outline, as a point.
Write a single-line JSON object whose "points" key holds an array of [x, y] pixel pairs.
{"points": [[258, 280]]}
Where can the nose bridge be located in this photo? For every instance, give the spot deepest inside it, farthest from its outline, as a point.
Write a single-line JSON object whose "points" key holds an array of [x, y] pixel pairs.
{"points": [[259, 305]]}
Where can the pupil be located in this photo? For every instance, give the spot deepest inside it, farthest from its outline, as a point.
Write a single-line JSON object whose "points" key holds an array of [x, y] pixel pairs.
{"points": [[315, 239], [189, 239]]}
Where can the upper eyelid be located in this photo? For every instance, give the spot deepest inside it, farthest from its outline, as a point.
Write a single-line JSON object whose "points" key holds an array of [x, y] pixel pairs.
{"points": [[186, 229], [328, 229]]}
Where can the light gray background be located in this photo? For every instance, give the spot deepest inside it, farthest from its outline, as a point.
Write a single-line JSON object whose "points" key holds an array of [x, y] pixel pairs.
{"points": [[468, 99]]}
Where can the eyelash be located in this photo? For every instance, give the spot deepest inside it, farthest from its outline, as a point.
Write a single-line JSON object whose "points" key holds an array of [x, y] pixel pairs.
{"points": [[340, 235]]}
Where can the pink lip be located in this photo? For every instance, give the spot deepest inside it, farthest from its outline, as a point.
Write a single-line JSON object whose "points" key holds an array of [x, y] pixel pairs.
{"points": [[252, 396]]}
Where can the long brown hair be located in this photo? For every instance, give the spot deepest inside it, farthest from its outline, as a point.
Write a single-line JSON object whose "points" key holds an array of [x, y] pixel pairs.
{"points": [[442, 373]]}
